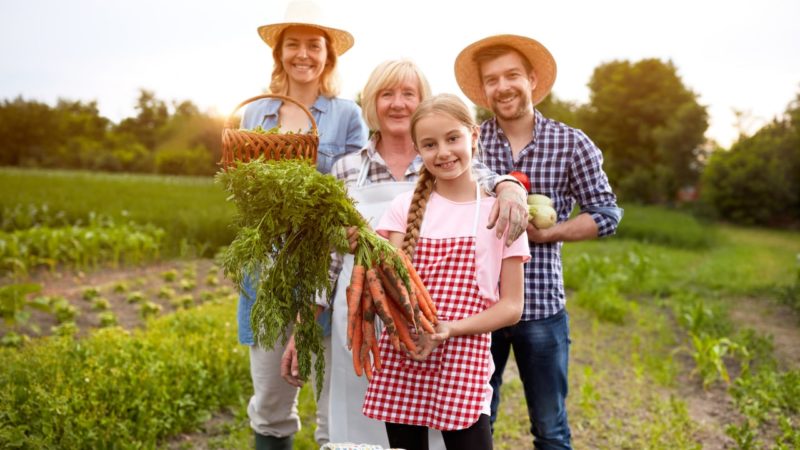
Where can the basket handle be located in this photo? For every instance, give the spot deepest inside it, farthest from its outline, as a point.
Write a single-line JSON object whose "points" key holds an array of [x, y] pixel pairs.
{"points": [[227, 123]]}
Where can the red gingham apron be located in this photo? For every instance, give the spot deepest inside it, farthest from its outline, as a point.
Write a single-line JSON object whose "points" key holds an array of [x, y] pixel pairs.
{"points": [[447, 390]]}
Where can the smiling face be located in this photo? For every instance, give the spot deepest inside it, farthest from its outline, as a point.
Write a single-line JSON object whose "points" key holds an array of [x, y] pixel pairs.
{"points": [[508, 86], [303, 54], [394, 106], [446, 145]]}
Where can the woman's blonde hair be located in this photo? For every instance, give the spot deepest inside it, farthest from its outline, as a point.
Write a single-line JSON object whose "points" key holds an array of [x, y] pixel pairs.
{"points": [[449, 105], [328, 80], [386, 75]]}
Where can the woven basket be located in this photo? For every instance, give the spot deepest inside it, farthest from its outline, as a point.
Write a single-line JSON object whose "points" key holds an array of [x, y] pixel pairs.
{"points": [[245, 145]]}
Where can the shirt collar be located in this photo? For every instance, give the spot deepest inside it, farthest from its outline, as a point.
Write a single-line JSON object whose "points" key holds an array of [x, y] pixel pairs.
{"points": [[322, 104]]}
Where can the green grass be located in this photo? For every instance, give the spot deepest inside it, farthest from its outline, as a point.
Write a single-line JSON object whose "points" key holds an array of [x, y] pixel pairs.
{"points": [[192, 210], [652, 224]]}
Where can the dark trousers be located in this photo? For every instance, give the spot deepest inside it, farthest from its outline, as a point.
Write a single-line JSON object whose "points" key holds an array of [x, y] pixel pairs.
{"points": [[413, 437]]}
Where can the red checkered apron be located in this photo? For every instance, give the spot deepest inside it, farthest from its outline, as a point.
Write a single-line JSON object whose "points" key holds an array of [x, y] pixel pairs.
{"points": [[447, 390]]}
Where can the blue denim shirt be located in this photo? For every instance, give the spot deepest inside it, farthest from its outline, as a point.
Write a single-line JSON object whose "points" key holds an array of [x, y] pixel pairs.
{"points": [[341, 131]]}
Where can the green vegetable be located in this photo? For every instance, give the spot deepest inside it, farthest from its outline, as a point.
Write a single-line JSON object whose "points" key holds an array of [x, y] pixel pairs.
{"points": [[542, 216], [289, 219]]}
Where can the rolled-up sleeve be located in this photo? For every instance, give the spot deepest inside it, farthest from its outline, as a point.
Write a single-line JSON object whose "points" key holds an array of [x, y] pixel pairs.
{"points": [[590, 186]]}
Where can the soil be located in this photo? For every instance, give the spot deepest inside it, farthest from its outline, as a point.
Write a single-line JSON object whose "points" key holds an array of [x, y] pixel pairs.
{"points": [[769, 318], [155, 283]]}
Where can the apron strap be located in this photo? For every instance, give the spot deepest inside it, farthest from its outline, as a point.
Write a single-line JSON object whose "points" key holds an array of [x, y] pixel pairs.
{"points": [[477, 209], [474, 220]]}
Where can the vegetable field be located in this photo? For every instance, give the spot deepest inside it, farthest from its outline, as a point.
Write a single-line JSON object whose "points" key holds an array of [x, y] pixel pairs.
{"points": [[685, 335]]}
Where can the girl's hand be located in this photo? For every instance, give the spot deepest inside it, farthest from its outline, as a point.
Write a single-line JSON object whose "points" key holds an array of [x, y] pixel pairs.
{"points": [[427, 343]]}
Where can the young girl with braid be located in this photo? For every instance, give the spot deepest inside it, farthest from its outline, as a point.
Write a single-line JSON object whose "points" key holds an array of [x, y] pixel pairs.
{"points": [[475, 281]]}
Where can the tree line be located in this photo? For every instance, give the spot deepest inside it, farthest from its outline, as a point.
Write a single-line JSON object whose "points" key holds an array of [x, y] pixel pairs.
{"points": [[175, 139], [649, 125]]}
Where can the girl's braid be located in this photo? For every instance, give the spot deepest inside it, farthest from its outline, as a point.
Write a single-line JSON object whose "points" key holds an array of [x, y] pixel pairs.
{"points": [[422, 192]]}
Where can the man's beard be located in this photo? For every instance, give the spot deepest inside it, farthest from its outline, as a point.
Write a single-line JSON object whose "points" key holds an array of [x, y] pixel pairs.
{"points": [[521, 110]]}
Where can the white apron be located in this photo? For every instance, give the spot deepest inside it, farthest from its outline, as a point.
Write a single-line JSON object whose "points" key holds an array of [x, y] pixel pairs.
{"points": [[346, 421]]}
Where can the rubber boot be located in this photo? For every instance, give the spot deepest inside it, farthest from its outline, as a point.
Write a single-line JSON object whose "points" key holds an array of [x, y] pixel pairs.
{"points": [[274, 443]]}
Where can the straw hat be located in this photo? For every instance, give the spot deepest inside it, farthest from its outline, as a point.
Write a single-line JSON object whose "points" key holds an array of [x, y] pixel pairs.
{"points": [[468, 75], [309, 14]]}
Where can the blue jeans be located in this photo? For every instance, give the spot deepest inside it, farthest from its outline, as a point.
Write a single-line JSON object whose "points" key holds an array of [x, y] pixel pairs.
{"points": [[541, 350]]}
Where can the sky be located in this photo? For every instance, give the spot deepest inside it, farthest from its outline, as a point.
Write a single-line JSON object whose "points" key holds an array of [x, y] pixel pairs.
{"points": [[736, 55]]}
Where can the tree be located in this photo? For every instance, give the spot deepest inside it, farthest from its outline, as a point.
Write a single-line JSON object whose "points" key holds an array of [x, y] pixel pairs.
{"points": [[649, 125], [758, 180], [147, 126]]}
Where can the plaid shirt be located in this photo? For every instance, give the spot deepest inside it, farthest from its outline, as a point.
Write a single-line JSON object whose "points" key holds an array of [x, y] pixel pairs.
{"points": [[348, 168], [565, 165]]}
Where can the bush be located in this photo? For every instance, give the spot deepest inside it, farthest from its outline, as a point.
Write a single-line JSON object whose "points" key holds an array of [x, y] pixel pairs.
{"points": [[757, 182], [120, 389]]}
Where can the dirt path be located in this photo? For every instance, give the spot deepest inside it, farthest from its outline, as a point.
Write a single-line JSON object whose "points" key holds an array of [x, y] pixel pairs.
{"points": [[769, 318]]}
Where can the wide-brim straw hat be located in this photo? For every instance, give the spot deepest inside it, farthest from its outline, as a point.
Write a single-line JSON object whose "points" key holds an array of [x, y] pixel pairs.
{"points": [[468, 73], [307, 14]]}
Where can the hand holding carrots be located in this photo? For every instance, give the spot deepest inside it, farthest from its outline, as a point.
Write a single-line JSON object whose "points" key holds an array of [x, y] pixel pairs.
{"points": [[427, 342], [385, 284]]}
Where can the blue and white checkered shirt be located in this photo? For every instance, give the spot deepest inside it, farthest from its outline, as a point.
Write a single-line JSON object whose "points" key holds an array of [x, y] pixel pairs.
{"points": [[565, 165]]}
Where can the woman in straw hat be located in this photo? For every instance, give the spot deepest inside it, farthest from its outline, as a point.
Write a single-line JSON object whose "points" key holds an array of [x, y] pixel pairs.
{"points": [[305, 53]]}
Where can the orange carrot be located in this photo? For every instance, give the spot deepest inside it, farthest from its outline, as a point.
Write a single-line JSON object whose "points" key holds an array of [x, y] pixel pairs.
{"points": [[422, 292], [366, 346], [402, 328], [382, 304], [353, 299], [357, 341], [368, 312], [423, 305], [403, 299]]}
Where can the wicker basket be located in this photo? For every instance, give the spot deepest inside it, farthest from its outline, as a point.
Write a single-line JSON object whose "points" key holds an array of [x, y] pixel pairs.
{"points": [[245, 145]]}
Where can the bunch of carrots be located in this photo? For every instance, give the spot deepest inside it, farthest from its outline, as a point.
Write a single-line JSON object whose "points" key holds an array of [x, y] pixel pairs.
{"points": [[388, 287]]}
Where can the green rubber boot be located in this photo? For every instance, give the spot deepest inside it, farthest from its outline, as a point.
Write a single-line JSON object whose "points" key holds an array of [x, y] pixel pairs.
{"points": [[274, 443]]}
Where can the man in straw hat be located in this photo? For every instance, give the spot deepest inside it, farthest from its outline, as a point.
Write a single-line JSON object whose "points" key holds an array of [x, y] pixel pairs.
{"points": [[305, 51], [510, 74]]}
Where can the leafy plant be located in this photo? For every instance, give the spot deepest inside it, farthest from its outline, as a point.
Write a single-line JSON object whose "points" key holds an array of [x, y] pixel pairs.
{"points": [[12, 301], [149, 309], [709, 354], [187, 284], [107, 319], [184, 301], [166, 293], [120, 287], [135, 297], [65, 329], [64, 310], [122, 389], [169, 275], [100, 304], [90, 293]]}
